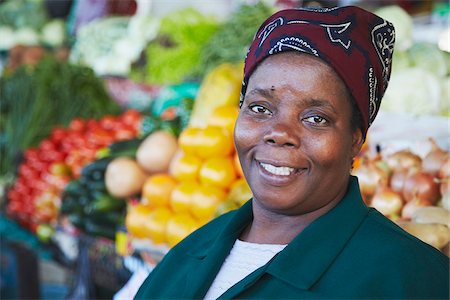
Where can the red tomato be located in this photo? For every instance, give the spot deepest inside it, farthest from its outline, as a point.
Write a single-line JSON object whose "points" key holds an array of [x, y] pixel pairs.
{"points": [[31, 154], [100, 137], [13, 195], [124, 133], [78, 140], [92, 124], [47, 145], [58, 134], [26, 171], [131, 117], [52, 156], [77, 125], [108, 122]]}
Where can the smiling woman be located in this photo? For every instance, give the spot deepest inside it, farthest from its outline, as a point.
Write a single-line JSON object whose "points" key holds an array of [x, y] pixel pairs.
{"points": [[313, 82], [283, 137]]}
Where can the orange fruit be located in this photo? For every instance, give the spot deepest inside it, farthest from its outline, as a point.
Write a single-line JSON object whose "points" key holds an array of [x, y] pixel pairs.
{"points": [[240, 192], [224, 117], [214, 141], [182, 196], [206, 201], [188, 139], [218, 171], [135, 219], [158, 189], [238, 166], [178, 227], [186, 167], [156, 223]]}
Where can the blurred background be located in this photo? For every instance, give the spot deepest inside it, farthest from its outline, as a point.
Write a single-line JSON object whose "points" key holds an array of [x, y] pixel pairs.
{"points": [[116, 121]]}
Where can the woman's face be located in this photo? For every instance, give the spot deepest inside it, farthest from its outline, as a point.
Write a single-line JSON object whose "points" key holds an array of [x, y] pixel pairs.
{"points": [[293, 134]]}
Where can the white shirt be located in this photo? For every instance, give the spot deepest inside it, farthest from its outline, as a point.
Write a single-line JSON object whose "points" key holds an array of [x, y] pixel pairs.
{"points": [[244, 258]]}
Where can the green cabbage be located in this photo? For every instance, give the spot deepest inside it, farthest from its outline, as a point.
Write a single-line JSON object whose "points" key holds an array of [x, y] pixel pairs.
{"points": [[415, 91], [403, 24]]}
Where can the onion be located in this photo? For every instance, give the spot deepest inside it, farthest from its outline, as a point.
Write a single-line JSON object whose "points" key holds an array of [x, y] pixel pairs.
{"points": [[398, 179], [412, 206], [434, 160], [388, 202], [370, 176], [421, 185], [444, 171], [445, 192], [404, 159]]}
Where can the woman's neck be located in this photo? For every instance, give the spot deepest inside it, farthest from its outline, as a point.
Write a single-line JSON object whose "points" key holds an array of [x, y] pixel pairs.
{"points": [[270, 227]]}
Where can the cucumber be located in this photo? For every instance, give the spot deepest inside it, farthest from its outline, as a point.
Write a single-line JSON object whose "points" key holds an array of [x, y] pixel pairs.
{"points": [[125, 148], [112, 218], [96, 166], [104, 204], [96, 229]]}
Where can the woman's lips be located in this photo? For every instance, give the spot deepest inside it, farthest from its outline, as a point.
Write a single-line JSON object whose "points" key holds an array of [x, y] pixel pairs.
{"points": [[278, 174], [282, 171]]}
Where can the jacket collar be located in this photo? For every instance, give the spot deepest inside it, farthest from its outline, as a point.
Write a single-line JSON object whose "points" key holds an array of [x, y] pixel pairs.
{"points": [[213, 252], [316, 247], [313, 250]]}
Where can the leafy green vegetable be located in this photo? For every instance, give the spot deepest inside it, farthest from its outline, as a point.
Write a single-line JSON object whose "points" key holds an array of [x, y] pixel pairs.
{"points": [[174, 54], [403, 24], [429, 57], [23, 13], [232, 39], [33, 101]]}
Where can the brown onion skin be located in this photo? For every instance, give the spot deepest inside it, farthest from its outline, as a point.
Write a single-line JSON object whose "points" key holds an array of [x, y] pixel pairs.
{"points": [[404, 159], [370, 177], [410, 207], [388, 202], [398, 179], [434, 160], [421, 185], [444, 170]]}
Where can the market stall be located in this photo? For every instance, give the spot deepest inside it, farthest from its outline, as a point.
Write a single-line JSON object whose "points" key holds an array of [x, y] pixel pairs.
{"points": [[117, 121]]}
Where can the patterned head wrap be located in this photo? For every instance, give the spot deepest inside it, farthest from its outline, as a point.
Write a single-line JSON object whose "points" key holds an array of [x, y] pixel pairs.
{"points": [[357, 44]]}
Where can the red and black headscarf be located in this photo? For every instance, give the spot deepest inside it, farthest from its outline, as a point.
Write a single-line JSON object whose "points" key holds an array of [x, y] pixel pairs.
{"points": [[357, 44]]}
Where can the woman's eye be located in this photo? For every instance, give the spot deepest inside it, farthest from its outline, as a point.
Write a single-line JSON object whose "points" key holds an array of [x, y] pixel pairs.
{"points": [[260, 109], [316, 120]]}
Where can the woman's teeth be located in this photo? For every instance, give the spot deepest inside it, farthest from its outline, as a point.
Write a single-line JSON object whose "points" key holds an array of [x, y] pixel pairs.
{"points": [[277, 170]]}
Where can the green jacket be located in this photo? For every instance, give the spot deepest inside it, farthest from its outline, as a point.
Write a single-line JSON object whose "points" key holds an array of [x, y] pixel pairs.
{"points": [[352, 252]]}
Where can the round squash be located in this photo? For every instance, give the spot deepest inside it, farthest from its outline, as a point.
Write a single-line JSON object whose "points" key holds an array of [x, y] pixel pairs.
{"points": [[124, 177]]}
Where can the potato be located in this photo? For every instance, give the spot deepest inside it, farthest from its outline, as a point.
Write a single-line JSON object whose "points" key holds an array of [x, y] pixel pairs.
{"points": [[124, 177], [156, 152], [437, 235], [431, 215]]}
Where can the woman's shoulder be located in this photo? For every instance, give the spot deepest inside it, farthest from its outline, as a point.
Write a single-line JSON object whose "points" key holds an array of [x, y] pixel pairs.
{"points": [[390, 241]]}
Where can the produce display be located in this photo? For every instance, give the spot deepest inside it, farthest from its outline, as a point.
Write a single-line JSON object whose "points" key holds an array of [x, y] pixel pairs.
{"points": [[160, 162], [196, 178], [28, 93], [411, 190], [420, 71], [174, 54], [35, 197]]}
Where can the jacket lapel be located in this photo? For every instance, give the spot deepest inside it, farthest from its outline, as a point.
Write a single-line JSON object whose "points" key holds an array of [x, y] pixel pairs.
{"points": [[314, 250], [209, 259]]}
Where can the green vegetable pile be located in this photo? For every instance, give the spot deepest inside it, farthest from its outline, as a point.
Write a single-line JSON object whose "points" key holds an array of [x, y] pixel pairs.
{"points": [[173, 56], [23, 13], [231, 41], [33, 101]]}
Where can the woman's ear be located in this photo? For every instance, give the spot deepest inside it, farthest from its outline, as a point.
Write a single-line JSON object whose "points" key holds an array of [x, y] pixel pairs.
{"points": [[358, 141]]}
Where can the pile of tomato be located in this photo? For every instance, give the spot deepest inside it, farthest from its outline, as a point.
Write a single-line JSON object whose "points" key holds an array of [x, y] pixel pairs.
{"points": [[44, 171]]}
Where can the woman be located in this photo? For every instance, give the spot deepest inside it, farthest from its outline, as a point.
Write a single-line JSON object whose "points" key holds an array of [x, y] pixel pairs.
{"points": [[313, 82]]}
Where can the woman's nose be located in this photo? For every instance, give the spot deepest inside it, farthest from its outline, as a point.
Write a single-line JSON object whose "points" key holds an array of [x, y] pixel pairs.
{"points": [[282, 135]]}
